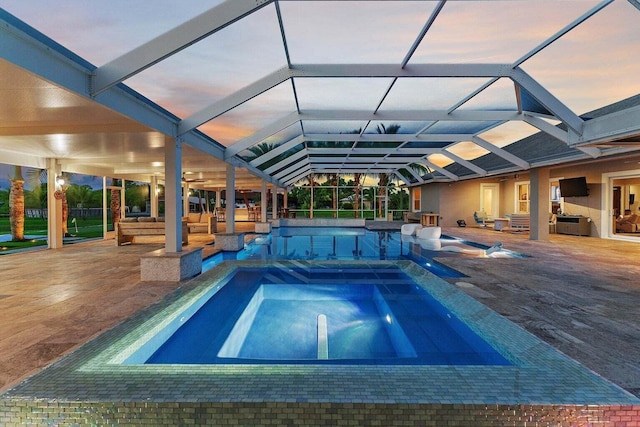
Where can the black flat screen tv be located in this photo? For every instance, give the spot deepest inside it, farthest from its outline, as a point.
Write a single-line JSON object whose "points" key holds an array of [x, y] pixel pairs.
{"points": [[574, 187]]}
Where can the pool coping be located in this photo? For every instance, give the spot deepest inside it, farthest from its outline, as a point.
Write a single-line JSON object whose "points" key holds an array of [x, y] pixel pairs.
{"points": [[540, 375]]}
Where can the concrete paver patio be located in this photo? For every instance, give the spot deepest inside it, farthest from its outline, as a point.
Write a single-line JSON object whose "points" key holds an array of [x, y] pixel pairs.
{"points": [[577, 293]]}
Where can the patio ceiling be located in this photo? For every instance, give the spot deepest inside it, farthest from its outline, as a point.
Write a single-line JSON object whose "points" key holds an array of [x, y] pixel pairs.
{"points": [[422, 90]]}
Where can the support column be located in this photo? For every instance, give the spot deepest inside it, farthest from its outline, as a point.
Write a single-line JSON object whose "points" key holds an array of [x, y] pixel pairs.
{"points": [[539, 204], [105, 216], [285, 198], [185, 199], [153, 196], [311, 206], [123, 199], [54, 205], [274, 203], [263, 226], [264, 202], [230, 241], [172, 194], [172, 263], [231, 199]]}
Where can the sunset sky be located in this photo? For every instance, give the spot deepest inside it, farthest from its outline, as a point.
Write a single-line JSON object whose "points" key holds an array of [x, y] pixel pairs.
{"points": [[593, 65]]}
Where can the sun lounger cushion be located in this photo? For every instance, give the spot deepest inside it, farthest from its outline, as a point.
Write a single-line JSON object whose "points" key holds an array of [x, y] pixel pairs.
{"points": [[429, 233], [409, 229]]}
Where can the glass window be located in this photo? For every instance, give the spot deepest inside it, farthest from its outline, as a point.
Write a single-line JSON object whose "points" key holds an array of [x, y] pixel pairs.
{"points": [[522, 194], [416, 199]]}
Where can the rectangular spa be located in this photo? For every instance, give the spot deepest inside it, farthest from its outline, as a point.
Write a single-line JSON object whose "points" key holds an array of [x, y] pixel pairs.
{"points": [[288, 315]]}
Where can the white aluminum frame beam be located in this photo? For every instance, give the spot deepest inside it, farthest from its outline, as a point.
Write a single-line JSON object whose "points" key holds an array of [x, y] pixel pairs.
{"points": [[563, 31], [389, 137], [371, 151], [544, 97], [501, 153], [443, 171], [413, 173], [237, 98], [410, 115], [282, 148], [393, 70], [610, 127], [467, 164], [289, 160], [171, 42], [547, 128], [298, 176], [403, 178], [293, 168], [355, 70], [261, 135]]}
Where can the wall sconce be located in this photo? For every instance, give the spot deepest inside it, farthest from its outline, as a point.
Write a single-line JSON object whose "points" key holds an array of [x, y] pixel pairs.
{"points": [[60, 180]]}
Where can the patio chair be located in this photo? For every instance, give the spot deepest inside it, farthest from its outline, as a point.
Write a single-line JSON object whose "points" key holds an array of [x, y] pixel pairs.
{"points": [[220, 214], [482, 218]]}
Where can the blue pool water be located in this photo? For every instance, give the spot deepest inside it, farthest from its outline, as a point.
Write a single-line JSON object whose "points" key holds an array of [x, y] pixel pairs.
{"points": [[341, 243], [318, 315]]}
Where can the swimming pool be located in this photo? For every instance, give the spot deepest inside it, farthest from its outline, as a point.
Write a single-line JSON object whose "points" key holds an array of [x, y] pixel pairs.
{"points": [[95, 379], [349, 243], [317, 315]]}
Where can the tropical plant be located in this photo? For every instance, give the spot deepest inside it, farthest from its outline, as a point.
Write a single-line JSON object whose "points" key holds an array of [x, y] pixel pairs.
{"points": [[115, 202], [16, 205], [80, 195], [37, 177], [260, 150]]}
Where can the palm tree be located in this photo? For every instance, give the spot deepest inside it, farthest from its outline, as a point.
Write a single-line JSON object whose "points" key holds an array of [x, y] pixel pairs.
{"points": [[38, 176], [383, 178], [259, 150], [332, 180], [80, 195], [115, 202], [16, 204]]}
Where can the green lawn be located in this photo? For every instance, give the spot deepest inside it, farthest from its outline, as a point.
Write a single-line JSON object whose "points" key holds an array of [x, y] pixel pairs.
{"points": [[4, 246], [86, 228]]}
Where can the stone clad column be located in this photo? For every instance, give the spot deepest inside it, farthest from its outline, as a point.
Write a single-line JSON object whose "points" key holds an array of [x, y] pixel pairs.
{"points": [[172, 263]]}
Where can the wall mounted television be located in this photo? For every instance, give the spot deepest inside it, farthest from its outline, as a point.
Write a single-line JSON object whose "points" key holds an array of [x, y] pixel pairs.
{"points": [[574, 187]]}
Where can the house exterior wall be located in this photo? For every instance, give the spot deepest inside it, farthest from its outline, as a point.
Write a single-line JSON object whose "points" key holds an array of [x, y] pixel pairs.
{"points": [[430, 198], [458, 200]]}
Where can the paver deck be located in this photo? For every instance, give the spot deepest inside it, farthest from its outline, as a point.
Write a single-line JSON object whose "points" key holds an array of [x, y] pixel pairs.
{"points": [[576, 293]]}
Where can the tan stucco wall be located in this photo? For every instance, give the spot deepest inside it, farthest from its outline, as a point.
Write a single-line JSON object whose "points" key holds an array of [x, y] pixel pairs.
{"points": [[458, 200]]}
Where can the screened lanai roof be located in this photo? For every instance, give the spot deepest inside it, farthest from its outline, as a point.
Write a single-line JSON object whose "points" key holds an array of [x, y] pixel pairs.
{"points": [[421, 90]]}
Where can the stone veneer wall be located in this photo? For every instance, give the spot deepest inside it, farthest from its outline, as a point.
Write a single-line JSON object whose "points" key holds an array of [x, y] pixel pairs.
{"points": [[21, 412]]}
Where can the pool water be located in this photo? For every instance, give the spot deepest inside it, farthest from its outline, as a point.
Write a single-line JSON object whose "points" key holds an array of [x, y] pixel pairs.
{"points": [[342, 243], [318, 315]]}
